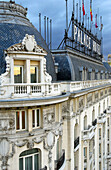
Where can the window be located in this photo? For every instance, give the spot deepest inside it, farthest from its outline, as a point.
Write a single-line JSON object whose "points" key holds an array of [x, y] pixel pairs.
{"points": [[35, 118], [21, 120], [29, 160], [34, 74], [18, 74]]}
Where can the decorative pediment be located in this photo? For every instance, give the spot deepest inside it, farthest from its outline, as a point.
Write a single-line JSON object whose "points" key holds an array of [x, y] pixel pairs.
{"points": [[28, 44]]}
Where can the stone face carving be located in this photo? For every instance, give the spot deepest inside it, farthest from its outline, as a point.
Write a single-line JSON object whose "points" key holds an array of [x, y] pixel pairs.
{"points": [[49, 116], [7, 124], [30, 144], [27, 45]]}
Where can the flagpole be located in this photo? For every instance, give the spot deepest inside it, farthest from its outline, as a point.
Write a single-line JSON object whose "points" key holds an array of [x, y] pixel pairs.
{"points": [[73, 13], [77, 12], [91, 15], [88, 23], [66, 15], [80, 11]]}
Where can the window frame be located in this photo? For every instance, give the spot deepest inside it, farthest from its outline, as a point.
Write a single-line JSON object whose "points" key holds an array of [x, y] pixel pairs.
{"points": [[22, 73], [31, 155], [35, 113], [20, 120], [37, 72]]}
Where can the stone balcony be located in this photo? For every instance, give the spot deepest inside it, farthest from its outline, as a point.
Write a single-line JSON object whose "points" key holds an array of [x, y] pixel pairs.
{"points": [[60, 163], [45, 89], [88, 134]]}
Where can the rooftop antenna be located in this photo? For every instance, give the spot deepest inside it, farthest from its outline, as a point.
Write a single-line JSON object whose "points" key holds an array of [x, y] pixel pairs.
{"points": [[66, 15], [47, 31], [50, 34], [40, 23], [45, 28]]}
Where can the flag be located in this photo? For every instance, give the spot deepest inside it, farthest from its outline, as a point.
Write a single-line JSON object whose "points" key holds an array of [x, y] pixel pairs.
{"points": [[91, 11], [96, 21], [83, 9]]}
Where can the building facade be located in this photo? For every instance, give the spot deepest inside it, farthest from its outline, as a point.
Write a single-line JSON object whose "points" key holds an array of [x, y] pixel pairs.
{"points": [[47, 124]]}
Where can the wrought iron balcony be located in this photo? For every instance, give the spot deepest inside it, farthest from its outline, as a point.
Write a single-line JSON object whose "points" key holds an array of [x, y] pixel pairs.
{"points": [[76, 142], [60, 162], [94, 123], [45, 168]]}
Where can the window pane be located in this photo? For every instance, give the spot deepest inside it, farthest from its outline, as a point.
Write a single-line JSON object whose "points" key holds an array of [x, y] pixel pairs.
{"points": [[28, 163], [23, 119], [17, 120], [29, 152], [33, 74], [21, 164], [38, 121], [36, 162], [18, 71], [33, 118]]}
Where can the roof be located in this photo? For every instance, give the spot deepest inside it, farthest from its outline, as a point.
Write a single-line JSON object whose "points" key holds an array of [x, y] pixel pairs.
{"points": [[72, 63]]}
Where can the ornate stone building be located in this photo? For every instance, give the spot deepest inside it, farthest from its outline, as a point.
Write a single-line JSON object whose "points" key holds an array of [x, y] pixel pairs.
{"points": [[46, 124]]}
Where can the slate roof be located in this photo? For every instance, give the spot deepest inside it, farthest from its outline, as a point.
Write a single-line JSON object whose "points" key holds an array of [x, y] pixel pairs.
{"points": [[107, 66], [70, 66]]}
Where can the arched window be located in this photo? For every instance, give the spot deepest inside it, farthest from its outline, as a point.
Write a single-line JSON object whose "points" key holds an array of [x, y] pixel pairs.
{"points": [[30, 160]]}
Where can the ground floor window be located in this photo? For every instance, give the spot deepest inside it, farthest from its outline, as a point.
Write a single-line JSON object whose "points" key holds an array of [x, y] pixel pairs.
{"points": [[29, 160]]}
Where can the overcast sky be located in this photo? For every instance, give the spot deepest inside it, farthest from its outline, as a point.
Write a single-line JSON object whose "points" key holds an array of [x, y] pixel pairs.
{"points": [[55, 10]]}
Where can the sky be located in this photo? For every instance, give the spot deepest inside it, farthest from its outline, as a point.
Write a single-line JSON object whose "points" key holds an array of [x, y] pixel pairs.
{"points": [[55, 10]]}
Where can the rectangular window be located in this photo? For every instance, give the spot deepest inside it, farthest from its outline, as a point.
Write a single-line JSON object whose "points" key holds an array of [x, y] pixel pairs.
{"points": [[35, 118], [34, 74], [18, 74], [21, 120]]}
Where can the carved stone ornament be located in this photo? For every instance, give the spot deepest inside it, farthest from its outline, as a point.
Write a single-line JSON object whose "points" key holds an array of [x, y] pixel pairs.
{"points": [[50, 139], [28, 44], [21, 143], [7, 124], [30, 144], [4, 152], [4, 78], [4, 147], [38, 140]]}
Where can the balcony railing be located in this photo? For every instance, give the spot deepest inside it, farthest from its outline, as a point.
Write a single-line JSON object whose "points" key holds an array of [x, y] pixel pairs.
{"points": [[88, 134], [76, 142], [94, 123], [45, 168], [45, 89], [59, 163]]}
